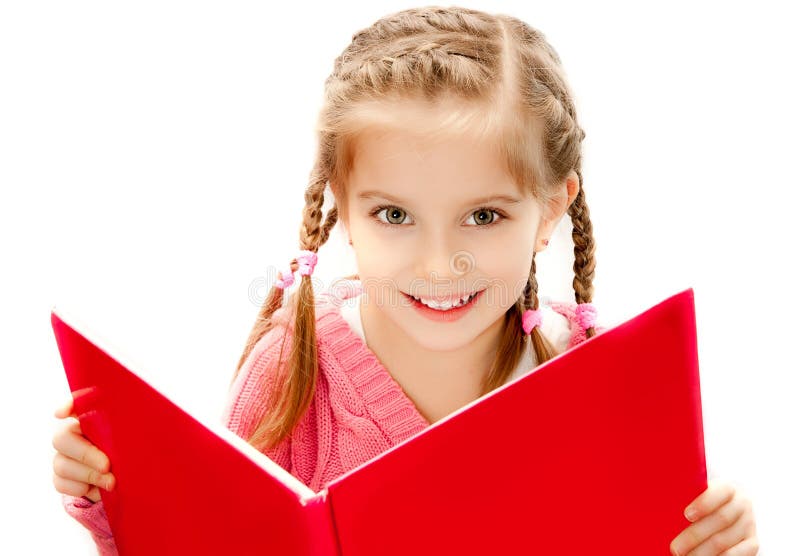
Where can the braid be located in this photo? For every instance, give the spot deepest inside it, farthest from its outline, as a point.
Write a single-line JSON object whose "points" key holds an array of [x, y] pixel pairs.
{"points": [[542, 347], [291, 398], [312, 235], [428, 49], [330, 222], [584, 250], [562, 146], [532, 287]]}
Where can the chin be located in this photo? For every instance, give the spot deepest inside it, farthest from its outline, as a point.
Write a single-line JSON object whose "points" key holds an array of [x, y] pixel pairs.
{"points": [[441, 342], [435, 336]]}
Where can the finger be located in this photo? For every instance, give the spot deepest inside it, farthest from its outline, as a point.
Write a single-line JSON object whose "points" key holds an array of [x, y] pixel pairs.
{"points": [[699, 532], [748, 547], [721, 541], [74, 445], [66, 409], [73, 470], [75, 488], [70, 487], [717, 494]]}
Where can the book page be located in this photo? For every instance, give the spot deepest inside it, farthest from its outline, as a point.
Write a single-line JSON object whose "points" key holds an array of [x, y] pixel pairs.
{"points": [[115, 352]]}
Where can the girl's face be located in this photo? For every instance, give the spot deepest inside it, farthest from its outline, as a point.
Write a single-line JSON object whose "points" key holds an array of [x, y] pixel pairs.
{"points": [[438, 220]]}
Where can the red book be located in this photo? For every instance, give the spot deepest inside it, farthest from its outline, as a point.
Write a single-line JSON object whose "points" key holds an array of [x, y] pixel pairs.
{"points": [[598, 450]]}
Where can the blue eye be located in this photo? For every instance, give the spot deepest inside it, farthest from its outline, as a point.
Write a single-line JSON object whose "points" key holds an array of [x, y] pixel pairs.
{"points": [[395, 216]]}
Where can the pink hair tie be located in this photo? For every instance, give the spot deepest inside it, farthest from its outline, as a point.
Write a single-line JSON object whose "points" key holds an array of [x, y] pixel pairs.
{"points": [[286, 279], [531, 318], [306, 261], [586, 315]]}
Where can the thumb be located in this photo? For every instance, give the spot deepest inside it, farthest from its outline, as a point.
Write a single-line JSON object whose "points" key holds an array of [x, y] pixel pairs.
{"points": [[94, 494], [66, 410]]}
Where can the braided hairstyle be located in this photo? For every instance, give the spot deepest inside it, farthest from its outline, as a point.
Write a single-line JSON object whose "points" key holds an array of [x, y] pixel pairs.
{"points": [[513, 92]]}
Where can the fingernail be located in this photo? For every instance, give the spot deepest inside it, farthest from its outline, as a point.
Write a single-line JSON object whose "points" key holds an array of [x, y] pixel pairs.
{"points": [[690, 513]]}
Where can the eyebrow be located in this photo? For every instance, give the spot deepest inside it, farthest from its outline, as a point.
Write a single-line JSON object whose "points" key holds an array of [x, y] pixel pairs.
{"points": [[375, 194]]}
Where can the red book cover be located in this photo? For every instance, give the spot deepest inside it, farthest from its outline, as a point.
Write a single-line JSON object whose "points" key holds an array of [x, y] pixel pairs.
{"points": [[598, 450]]}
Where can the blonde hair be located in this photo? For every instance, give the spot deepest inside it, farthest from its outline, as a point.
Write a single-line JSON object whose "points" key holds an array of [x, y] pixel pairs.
{"points": [[508, 88]]}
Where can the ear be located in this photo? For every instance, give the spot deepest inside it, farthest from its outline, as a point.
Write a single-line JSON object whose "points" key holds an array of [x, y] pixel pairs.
{"points": [[556, 209]]}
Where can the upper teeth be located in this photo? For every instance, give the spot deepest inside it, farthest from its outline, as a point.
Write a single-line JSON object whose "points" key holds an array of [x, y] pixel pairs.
{"points": [[444, 305]]}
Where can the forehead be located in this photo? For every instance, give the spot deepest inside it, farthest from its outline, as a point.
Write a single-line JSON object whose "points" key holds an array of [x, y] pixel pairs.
{"points": [[413, 165]]}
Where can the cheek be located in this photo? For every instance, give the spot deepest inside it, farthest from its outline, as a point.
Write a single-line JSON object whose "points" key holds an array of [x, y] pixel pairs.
{"points": [[505, 257], [506, 267], [374, 249]]}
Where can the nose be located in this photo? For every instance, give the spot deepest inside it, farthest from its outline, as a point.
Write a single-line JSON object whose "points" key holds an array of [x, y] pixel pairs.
{"points": [[438, 260]]}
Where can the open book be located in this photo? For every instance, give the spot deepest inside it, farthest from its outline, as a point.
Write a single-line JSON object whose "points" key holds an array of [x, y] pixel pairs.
{"points": [[598, 450]]}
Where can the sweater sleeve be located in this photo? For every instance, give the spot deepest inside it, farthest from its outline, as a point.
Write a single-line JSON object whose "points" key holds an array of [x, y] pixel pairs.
{"points": [[92, 515]]}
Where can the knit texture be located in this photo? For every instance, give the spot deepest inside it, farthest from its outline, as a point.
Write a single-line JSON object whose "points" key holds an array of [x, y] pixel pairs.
{"points": [[358, 411]]}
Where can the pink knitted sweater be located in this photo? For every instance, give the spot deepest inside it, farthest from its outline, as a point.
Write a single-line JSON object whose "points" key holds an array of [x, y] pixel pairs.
{"points": [[358, 410]]}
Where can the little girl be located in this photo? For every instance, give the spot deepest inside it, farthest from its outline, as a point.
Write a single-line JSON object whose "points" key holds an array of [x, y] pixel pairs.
{"points": [[450, 141]]}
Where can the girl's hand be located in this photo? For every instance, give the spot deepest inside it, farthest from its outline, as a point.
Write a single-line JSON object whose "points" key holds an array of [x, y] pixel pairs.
{"points": [[79, 466], [723, 524]]}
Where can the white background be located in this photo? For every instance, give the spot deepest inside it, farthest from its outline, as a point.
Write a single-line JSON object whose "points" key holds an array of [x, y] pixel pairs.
{"points": [[153, 158]]}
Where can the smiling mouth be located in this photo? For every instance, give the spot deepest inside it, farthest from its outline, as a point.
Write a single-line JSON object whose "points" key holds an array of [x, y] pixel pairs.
{"points": [[447, 305]]}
